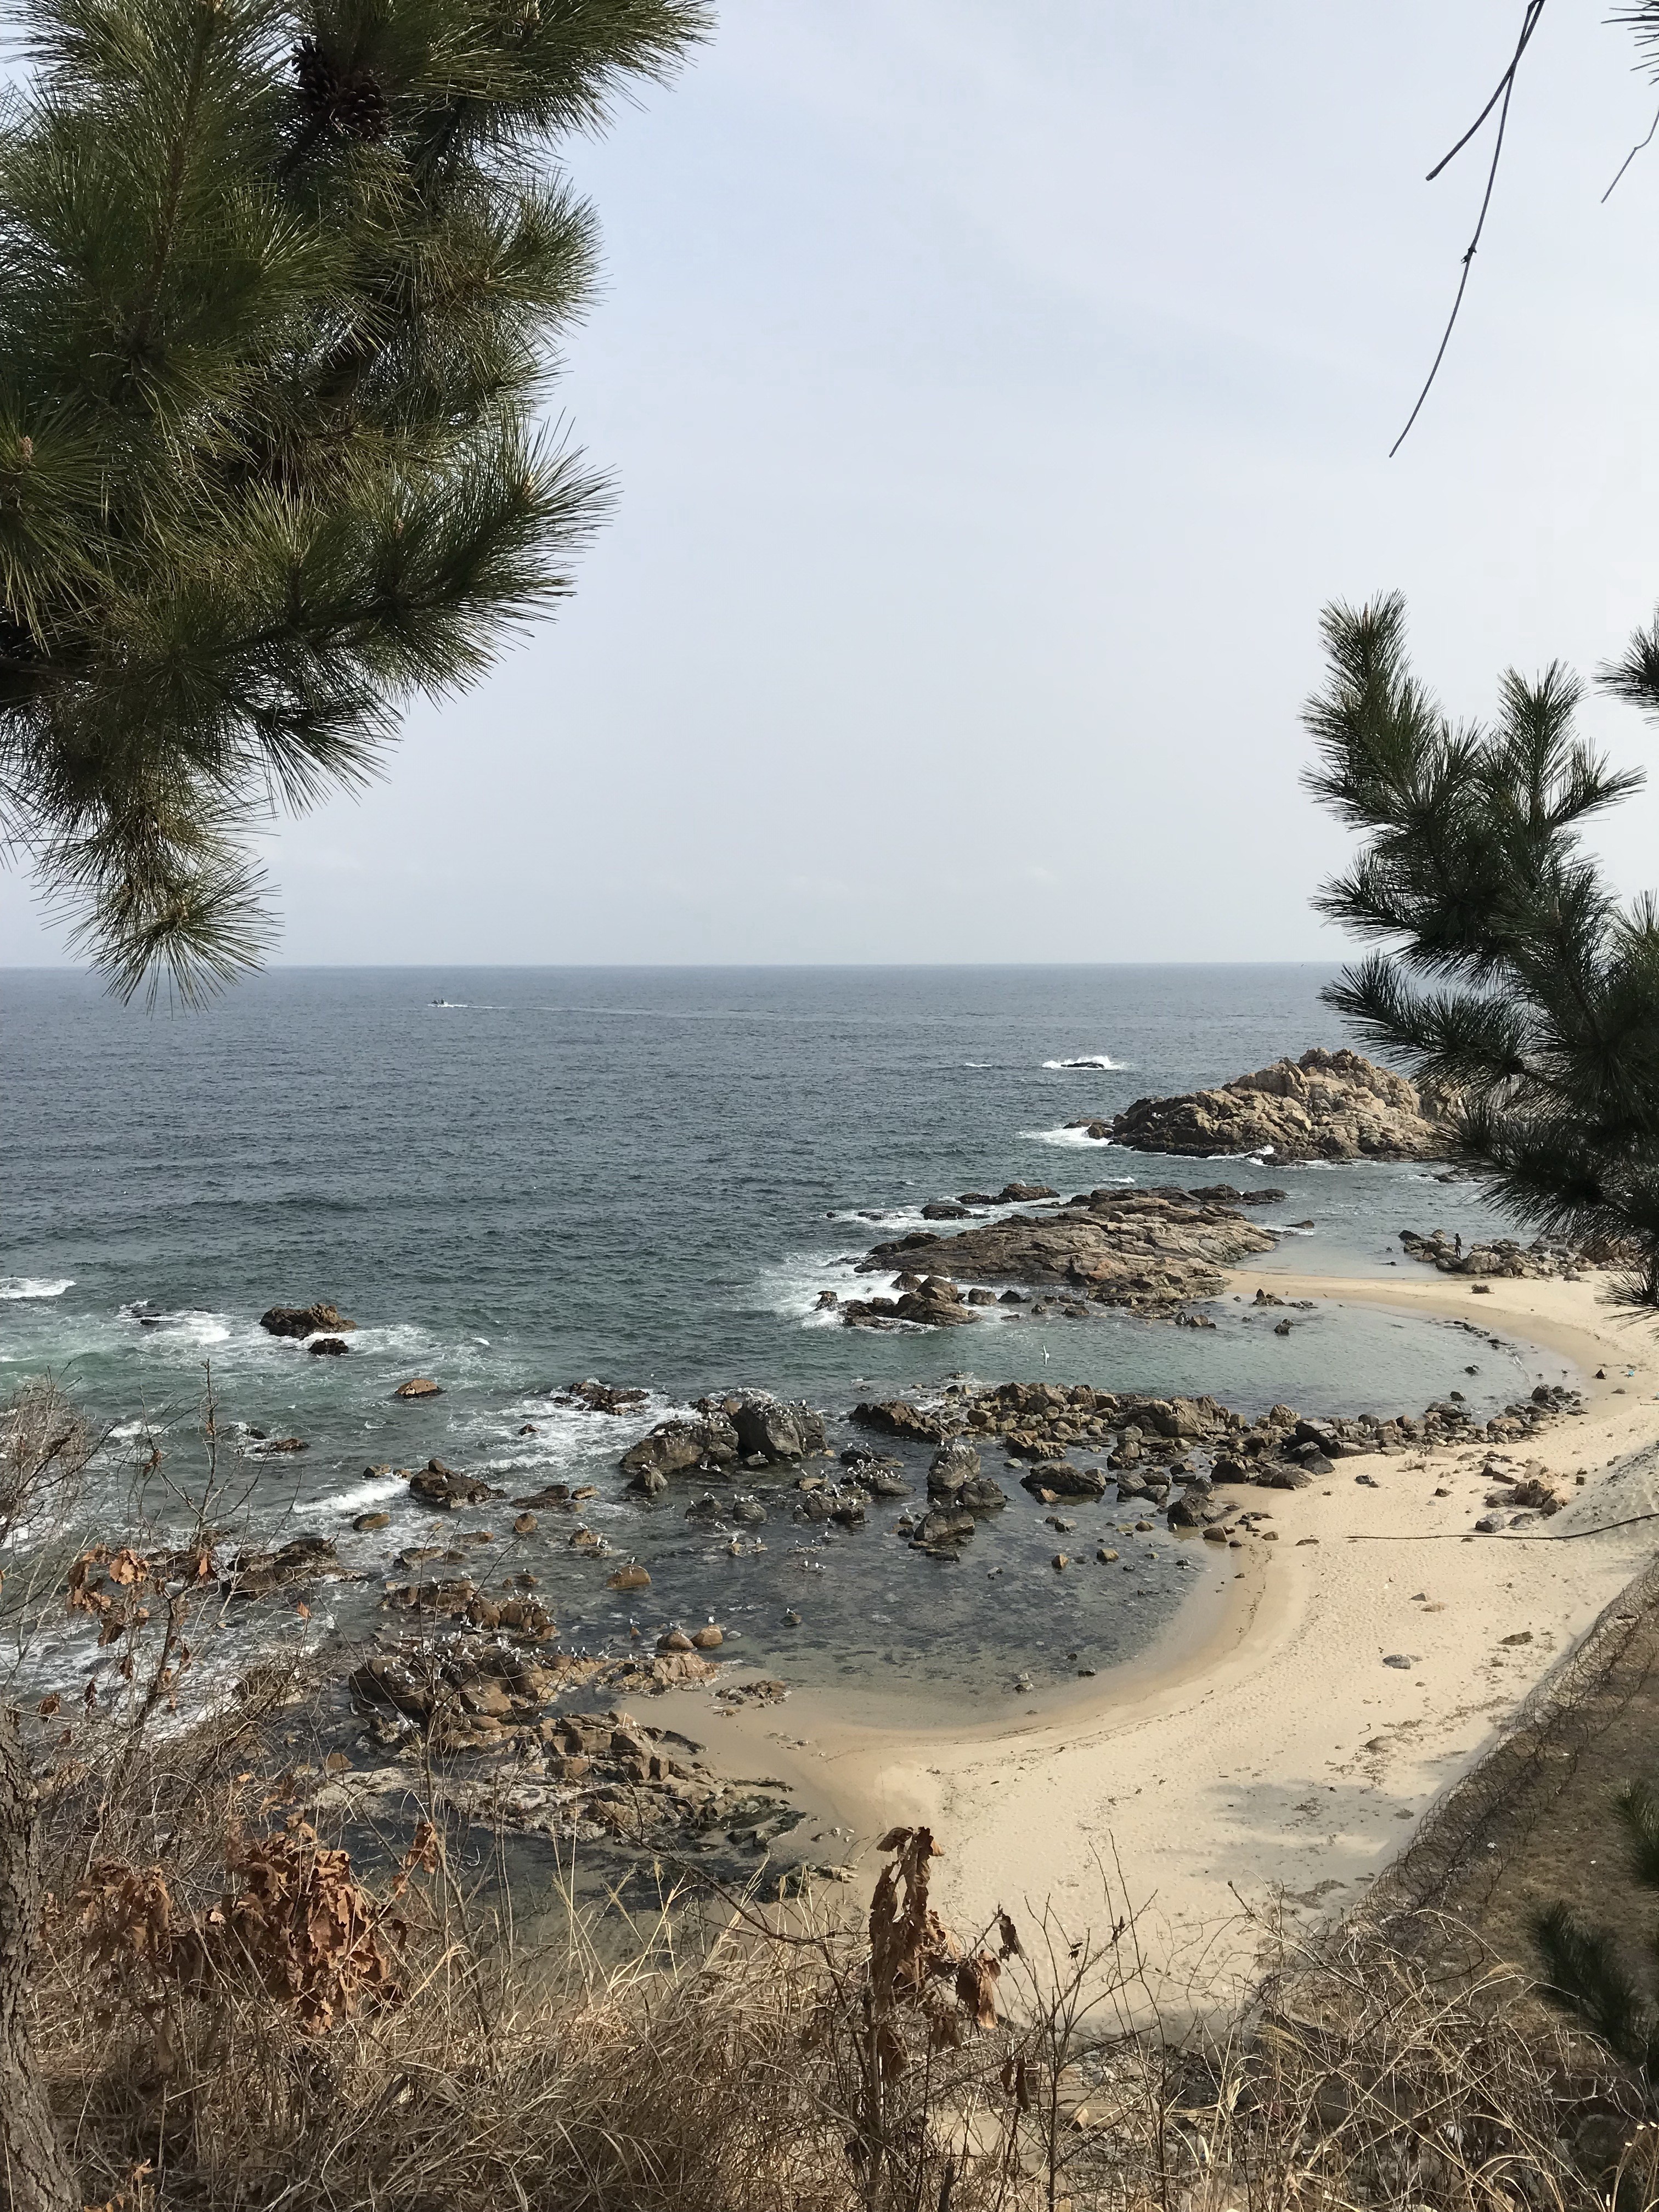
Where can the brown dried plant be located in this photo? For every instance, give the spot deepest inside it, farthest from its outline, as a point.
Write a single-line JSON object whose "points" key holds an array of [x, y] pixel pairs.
{"points": [[294, 1923]]}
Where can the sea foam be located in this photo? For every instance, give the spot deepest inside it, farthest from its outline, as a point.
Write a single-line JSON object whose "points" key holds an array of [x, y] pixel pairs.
{"points": [[1086, 1060], [35, 1286]]}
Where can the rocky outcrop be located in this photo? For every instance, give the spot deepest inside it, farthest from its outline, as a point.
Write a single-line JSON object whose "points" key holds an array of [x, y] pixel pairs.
{"points": [[898, 1416], [1147, 1250], [1503, 1256], [1325, 1106], [304, 1321], [1150, 1443], [934, 1302], [419, 1386], [442, 1489], [745, 1425], [770, 1428], [676, 1447]]}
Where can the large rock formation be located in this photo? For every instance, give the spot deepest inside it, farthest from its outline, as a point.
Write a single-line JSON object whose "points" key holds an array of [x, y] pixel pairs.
{"points": [[1325, 1106], [1146, 1249]]}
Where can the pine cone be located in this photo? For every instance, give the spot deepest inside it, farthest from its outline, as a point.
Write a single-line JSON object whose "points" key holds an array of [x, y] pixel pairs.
{"points": [[317, 83], [362, 110], [353, 106]]}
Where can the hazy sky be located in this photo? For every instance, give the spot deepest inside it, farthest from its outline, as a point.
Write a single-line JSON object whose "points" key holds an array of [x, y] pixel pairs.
{"points": [[997, 391]]}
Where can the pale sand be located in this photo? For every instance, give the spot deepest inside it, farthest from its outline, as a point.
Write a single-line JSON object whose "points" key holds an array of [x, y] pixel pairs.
{"points": [[1267, 1755]]}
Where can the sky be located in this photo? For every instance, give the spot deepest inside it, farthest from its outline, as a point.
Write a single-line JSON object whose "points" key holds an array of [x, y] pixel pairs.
{"points": [[996, 393]]}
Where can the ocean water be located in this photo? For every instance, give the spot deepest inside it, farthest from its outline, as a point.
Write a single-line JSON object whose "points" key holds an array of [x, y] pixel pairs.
{"points": [[510, 1179]]}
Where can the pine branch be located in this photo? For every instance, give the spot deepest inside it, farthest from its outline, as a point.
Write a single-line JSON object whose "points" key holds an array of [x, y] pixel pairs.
{"points": [[1585, 1978]]}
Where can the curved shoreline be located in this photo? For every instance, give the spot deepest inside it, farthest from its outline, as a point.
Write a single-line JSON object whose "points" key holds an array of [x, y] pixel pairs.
{"points": [[1269, 1760]]}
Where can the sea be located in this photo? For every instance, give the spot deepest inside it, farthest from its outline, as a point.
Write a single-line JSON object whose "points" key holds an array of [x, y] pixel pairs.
{"points": [[511, 1179]]}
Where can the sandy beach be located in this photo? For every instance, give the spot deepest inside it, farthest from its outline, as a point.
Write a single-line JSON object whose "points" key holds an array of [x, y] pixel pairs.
{"points": [[1271, 1758]]}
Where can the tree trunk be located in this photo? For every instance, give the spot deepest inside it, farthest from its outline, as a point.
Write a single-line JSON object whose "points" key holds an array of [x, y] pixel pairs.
{"points": [[35, 2175]]}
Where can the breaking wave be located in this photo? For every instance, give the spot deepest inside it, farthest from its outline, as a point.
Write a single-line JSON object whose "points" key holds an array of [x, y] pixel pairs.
{"points": [[1086, 1060]]}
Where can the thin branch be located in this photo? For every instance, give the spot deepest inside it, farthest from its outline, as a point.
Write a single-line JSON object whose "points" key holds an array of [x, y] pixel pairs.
{"points": [[1506, 86], [1637, 148], [1529, 24], [1459, 1536]]}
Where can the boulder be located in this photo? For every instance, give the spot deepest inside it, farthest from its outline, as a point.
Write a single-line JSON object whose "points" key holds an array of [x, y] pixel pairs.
{"points": [[953, 1464], [672, 1447], [774, 1430], [979, 1494], [332, 1347], [597, 1397], [946, 1525], [1283, 1474], [1194, 1508], [1060, 1479], [302, 1558], [418, 1386], [304, 1321], [898, 1416], [439, 1487]]}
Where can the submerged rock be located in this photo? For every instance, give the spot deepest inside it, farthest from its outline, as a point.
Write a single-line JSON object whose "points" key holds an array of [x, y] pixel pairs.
{"points": [[598, 1397]]}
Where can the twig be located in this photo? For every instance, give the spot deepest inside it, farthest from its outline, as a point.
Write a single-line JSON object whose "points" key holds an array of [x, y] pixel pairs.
{"points": [[1500, 99], [1631, 156], [1457, 1535]]}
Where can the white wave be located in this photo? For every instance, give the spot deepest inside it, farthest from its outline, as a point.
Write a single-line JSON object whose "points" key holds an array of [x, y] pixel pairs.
{"points": [[35, 1286], [368, 1492], [979, 1063], [1079, 1136], [793, 1286], [1085, 1060]]}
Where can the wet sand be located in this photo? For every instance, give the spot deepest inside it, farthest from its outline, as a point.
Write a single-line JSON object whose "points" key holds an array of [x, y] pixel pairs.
{"points": [[1263, 1758]]}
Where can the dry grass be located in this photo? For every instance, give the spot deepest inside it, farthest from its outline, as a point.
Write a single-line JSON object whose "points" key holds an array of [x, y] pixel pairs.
{"points": [[295, 2041]]}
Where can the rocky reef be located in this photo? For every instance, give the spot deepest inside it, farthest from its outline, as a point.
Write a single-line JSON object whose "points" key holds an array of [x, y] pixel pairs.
{"points": [[1325, 1106], [1146, 1250]]}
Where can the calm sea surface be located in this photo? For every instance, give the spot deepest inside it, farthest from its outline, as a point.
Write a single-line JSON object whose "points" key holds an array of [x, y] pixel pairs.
{"points": [[513, 1178]]}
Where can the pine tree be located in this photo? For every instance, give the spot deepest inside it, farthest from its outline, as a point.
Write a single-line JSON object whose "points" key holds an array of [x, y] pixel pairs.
{"points": [[1516, 981], [1585, 1974], [279, 286]]}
